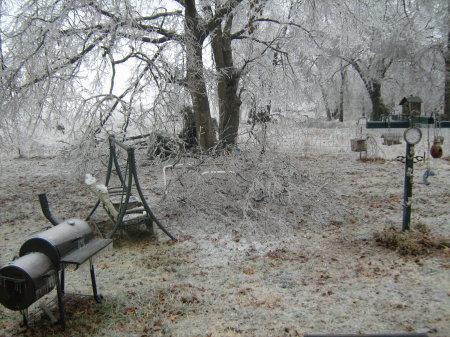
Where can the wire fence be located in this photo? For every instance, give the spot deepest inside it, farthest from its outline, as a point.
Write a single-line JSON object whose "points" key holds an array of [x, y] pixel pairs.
{"points": [[304, 139]]}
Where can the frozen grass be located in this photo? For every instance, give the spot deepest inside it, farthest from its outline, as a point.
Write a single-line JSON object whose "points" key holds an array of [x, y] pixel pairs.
{"points": [[283, 246]]}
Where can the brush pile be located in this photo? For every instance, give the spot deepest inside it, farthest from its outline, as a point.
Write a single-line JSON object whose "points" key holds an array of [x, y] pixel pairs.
{"points": [[262, 194]]}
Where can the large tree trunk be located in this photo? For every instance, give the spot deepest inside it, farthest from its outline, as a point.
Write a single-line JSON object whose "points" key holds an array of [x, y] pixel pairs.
{"points": [[447, 80], [195, 78], [373, 88], [326, 102], [378, 107], [227, 85], [341, 93], [2, 65]]}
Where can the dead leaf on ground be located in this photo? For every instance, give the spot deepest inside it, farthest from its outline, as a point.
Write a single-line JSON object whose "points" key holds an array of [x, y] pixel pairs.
{"points": [[173, 318]]}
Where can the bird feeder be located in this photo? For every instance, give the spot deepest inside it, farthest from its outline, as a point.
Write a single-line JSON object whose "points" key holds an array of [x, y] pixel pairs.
{"points": [[391, 139], [436, 149], [411, 106], [359, 144]]}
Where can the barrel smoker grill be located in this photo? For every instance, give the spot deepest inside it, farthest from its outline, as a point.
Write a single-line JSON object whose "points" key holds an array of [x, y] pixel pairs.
{"points": [[42, 261]]}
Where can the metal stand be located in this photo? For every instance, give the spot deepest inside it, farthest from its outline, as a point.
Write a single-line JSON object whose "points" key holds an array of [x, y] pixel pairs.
{"points": [[60, 294], [60, 280], [409, 159], [409, 175], [25, 316], [97, 297]]}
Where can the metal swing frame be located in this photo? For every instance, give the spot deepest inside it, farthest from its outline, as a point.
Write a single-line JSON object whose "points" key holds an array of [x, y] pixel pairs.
{"points": [[128, 180]]}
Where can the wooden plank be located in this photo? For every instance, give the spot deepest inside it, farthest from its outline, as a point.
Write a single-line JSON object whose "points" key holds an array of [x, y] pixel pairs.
{"points": [[80, 255], [133, 202]]}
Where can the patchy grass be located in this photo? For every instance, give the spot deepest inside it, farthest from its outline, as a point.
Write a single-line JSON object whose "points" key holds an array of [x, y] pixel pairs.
{"points": [[139, 312], [413, 242], [282, 247], [87, 316]]}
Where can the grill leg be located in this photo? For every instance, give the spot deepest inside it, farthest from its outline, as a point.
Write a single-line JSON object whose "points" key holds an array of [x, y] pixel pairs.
{"points": [[97, 297], [59, 290], [62, 280], [25, 316], [150, 227]]}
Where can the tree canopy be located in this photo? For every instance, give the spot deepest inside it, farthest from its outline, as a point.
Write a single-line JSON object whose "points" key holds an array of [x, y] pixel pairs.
{"points": [[104, 66]]}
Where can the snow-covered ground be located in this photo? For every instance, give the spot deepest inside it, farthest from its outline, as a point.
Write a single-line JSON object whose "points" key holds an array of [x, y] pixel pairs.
{"points": [[299, 258]]}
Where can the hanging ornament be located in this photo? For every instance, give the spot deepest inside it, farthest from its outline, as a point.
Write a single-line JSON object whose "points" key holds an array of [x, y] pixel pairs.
{"points": [[436, 149]]}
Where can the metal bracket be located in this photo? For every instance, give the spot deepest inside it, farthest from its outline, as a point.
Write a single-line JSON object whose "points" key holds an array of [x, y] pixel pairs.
{"points": [[407, 203], [416, 159]]}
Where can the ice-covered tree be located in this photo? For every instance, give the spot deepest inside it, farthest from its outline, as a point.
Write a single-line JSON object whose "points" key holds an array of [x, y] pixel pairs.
{"points": [[386, 43], [59, 49], [86, 61]]}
